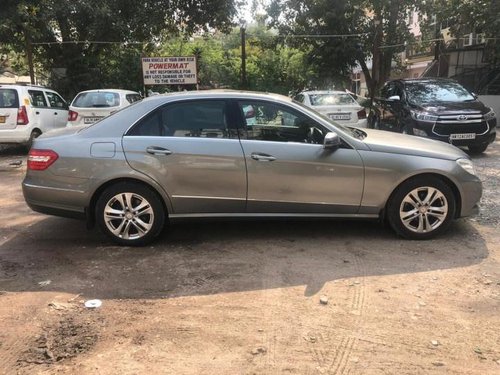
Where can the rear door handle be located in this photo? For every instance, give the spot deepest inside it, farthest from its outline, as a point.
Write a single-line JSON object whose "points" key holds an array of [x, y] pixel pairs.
{"points": [[262, 157], [158, 150]]}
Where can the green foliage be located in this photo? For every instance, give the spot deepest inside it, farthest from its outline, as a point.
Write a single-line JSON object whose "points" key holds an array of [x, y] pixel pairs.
{"points": [[374, 29], [95, 65], [465, 16], [270, 66]]}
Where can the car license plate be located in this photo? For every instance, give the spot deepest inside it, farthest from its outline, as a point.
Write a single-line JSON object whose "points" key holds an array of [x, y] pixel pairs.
{"points": [[463, 136], [91, 120], [340, 116], [2, 119]]}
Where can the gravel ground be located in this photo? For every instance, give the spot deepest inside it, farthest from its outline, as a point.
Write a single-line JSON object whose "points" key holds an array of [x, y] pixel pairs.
{"points": [[249, 298]]}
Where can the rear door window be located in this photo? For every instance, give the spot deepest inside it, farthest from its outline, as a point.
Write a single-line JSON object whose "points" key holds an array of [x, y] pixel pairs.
{"points": [[203, 119], [37, 98], [8, 98]]}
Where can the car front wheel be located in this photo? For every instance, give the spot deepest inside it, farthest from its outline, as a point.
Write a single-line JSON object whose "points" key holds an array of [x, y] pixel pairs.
{"points": [[421, 208], [478, 149], [130, 213]]}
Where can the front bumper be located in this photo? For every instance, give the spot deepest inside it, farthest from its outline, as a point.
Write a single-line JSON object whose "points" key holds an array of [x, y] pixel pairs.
{"points": [[483, 133]]}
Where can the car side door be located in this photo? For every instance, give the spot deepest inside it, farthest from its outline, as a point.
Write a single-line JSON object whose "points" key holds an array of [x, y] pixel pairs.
{"points": [[191, 148], [59, 109], [290, 171], [41, 112]]}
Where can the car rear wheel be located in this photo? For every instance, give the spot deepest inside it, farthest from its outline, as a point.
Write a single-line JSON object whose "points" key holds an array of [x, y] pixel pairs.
{"points": [[421, 208], [34, 134], [478, 149], [130, 213]]}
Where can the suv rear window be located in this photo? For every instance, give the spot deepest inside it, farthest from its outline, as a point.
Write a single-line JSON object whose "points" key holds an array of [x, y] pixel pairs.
{"points": [[8, 98], [99, 99]]}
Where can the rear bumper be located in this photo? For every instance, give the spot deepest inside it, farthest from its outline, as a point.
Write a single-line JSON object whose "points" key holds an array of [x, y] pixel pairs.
{"points": [[54, 200], [21, 134]]}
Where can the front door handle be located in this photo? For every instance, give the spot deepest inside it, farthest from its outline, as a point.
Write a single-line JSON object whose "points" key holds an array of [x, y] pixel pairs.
{"points": [[158, 150], [262, 157]]}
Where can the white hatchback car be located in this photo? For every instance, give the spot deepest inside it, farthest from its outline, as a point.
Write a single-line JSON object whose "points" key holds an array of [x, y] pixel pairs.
{"points": [[26, 111], [337, 105], [91, 106]]}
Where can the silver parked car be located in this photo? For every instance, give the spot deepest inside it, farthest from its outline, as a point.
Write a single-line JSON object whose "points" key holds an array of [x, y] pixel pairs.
{"points": [[196, 154]]}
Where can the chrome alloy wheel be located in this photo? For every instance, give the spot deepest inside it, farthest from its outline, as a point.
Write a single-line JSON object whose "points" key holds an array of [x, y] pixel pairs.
{"points": [[128, 216], [423, 209]]}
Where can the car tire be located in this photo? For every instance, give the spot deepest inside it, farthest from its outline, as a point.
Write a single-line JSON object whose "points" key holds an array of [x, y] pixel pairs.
{"points": [[34, 134], [421, 208], [118, 217], [478, 149]]}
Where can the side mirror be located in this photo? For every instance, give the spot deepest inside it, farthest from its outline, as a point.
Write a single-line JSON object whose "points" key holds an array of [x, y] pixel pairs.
{"points": [[394, 98], [331, 141]]}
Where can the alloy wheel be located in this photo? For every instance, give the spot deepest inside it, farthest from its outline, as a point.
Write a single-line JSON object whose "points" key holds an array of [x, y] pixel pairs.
{"points": [[128, 216], [423, 209]]}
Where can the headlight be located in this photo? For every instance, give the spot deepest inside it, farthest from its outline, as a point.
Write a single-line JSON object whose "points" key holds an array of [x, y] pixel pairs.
{"points": [[490, 115], [423, 116], [467, 165]]}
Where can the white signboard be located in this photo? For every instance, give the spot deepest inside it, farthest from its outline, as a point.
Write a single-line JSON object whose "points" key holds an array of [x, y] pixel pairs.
{"points": [[169, 70]]}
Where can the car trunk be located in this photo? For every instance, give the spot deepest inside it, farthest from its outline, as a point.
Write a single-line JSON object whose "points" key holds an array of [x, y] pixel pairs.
{"points": [[346, 114], [87, 116]]}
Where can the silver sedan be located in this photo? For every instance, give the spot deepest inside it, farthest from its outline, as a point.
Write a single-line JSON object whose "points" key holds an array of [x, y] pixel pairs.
{"points": [[241, 154]]}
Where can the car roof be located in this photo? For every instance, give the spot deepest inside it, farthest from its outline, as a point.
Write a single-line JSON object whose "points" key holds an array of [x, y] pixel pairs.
{"points": [[423, 80], [222, 93], [315, 92], [118, 91]]}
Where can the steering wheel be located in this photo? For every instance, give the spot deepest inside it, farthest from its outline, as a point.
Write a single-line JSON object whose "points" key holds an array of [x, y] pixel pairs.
{"points": [[315, 135]]}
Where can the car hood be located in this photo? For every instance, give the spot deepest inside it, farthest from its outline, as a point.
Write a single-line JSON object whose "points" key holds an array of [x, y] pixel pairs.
{"points": [[444, 108], [384, 141]]}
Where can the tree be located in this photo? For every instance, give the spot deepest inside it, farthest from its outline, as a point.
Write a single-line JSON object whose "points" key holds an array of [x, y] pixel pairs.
{"points": [[353, 32], [465, 16], [64, 27]]}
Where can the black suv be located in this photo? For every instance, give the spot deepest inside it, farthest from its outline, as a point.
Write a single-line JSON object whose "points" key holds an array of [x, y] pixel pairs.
{"points": [[436, 108]]}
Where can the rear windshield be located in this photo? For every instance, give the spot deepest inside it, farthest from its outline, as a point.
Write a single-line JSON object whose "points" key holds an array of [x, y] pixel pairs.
{"points": [[8, 98], [421, 93], [99, 99], [332, 99], [132, 98]]}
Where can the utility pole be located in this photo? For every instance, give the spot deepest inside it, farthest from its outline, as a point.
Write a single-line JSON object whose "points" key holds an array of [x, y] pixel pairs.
{"points": [[29, 55], [243, 56]]}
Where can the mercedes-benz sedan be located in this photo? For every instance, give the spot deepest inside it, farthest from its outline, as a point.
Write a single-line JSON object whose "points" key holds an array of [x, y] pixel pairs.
{"points": [[197, 154]]}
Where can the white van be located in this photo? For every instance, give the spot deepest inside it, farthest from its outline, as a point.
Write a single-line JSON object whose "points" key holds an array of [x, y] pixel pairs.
{"points": [[27, 111]]}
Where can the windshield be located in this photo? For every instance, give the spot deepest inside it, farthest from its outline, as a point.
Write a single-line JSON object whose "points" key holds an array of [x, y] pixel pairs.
{"points": [[331, 99], [420, 93], [101, 99]]}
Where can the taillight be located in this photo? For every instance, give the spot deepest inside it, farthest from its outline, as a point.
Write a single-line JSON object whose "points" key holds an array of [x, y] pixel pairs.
{"points": [[40, 160], [362, 114], [22, 116], [72, 115]]}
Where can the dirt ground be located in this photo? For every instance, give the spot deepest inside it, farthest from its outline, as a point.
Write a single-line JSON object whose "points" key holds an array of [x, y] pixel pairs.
{"points": [[244, 297]]}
